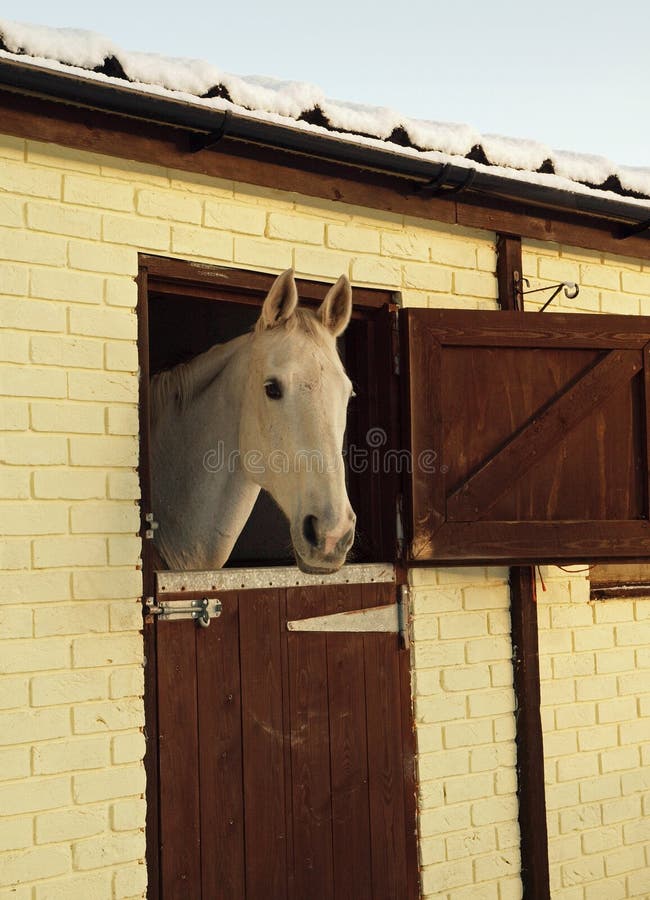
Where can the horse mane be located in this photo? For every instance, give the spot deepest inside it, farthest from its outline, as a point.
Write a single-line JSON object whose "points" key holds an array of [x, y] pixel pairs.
{"points": [[180, 384]]}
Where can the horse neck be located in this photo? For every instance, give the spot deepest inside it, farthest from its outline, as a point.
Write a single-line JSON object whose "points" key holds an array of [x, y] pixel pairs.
{"points": [[211, 484]]}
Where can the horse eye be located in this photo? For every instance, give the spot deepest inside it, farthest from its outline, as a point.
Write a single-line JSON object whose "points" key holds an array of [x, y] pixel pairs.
{"points": [[273, 389]]}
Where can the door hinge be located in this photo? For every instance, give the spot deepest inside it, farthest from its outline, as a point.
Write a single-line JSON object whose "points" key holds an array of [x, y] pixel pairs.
{"points": [[151, 526], [202, 611], [399, 526]]}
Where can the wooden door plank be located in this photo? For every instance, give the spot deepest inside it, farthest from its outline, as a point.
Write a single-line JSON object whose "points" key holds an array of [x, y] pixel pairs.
{"points": [[534, 542], [310, 756], [645, 419], [179, 761], [220, 754], [426, 497], [473, 499], [348, 753], [262, 739], [385, 763]]}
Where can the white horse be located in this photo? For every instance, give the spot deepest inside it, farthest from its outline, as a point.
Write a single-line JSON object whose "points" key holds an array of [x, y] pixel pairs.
{"points": [[265, 410]]}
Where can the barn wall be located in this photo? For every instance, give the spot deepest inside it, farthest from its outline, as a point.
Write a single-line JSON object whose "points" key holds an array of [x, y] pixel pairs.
{"points": [[71, 225], [594, 663]]}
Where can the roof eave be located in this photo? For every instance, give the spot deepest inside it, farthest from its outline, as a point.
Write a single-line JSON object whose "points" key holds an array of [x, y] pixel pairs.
{"points": [[110, 97]]}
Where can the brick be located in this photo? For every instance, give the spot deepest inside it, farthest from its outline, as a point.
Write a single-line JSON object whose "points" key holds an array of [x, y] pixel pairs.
{"points": [[69, 484], [597, 738], [437, 601], [453, 253], [67, 417], [121, 781], [16, 834], [168, 205], [568, 666], [19, 178], [486, 597], [103, 451], [32, 315], [69, 619], [137, 232], [636, 283], [34, 518], [14, 554], [21, 865], [493, 810], [598, 687], [582, 714], [379, 271], [14, 414], [491, 703], [69, 552], [467, 734], [129, 682], [619, 759], [468, 678], [262, 254], [123, 420], [34, 655], [108, 850], [59, 219], [424, 628], [13, 278], [442, 708], [635, 732], [15, 622], [475, 284], [596, 637], [404, 245], [14, 483], [126, 616], [600, 276], [19, 797], [112, 387], [106, 716], [66, 352], [624, 860], [14, 692], [68, 687], [31, 587], [128, 748], [32, 247], [121, 356], [70, 756], [117, 323], [124, 550], [12, 147], [121, 292], [463, 625], [106, 584], [635, 782], [427, 277], [95, 257], [583, 766], [33, 382], [14, 348], [496, 866], [124, 485], [296, 229], [435, 766], [618, 710], [88, 885], [130, 881], [637, 832], [353, 238], [444, 820], [245, 219], [14, 763], [70, 824], [447, 876], [108, 650], [320, 263], [469, 787], [201, 242], [486, 259], [105, 518], [98, 192]]}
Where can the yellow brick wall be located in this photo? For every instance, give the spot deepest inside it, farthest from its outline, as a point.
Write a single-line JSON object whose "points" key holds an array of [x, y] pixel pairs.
{"points": [[71, 225], [594, 662]]}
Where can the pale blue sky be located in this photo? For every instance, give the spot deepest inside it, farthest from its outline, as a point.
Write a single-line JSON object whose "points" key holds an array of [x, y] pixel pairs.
{"points": [[573, 74]]}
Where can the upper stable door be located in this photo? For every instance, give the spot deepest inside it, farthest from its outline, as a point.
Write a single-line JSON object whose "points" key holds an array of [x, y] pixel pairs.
{"points": [[529, 436]]}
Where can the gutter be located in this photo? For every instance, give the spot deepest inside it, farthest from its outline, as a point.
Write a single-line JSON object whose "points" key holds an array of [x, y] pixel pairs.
{"points": [[435, 179]]}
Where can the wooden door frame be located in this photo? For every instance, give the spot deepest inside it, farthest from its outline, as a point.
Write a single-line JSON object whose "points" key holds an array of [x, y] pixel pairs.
{"points": [[173, 276]]}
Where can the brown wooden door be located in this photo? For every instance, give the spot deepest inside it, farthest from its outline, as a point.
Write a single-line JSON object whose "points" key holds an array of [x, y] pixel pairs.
{"points": [[529, 436], [286, 765]]}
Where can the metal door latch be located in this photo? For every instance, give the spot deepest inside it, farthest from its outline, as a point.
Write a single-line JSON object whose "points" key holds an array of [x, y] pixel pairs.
{"points": [[202, 611], [151, 526]]}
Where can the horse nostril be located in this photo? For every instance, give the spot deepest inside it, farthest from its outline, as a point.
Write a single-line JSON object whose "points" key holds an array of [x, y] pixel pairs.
{"points": [[309, 530]]}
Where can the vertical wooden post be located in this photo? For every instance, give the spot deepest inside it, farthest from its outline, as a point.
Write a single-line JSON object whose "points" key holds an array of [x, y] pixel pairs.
{"points": [[525, 652]]}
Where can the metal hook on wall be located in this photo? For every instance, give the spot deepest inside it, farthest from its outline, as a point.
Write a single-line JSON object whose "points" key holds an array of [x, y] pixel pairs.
{"points": [[571, 291]]}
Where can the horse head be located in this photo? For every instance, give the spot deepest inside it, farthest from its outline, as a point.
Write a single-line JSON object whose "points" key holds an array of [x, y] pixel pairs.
{"points": [[293, 420]]}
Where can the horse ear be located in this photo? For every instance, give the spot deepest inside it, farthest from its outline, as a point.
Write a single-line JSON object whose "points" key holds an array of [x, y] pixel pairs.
{"points": [[281, 301], [336, 309]]}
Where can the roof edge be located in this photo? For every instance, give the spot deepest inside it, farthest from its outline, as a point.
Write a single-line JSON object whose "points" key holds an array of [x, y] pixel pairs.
{"points": [[443, 177]]}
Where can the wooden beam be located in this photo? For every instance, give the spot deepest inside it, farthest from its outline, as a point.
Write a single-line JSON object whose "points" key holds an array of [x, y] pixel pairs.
{"points": [[40, 119], [525, 653]]}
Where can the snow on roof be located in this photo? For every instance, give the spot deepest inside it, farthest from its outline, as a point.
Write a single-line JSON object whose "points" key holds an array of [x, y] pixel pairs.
{"points": [[303, 105]]}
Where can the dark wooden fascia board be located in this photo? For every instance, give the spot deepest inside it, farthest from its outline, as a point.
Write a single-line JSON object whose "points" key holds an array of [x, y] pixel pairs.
{"points": [[43, 119]]}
